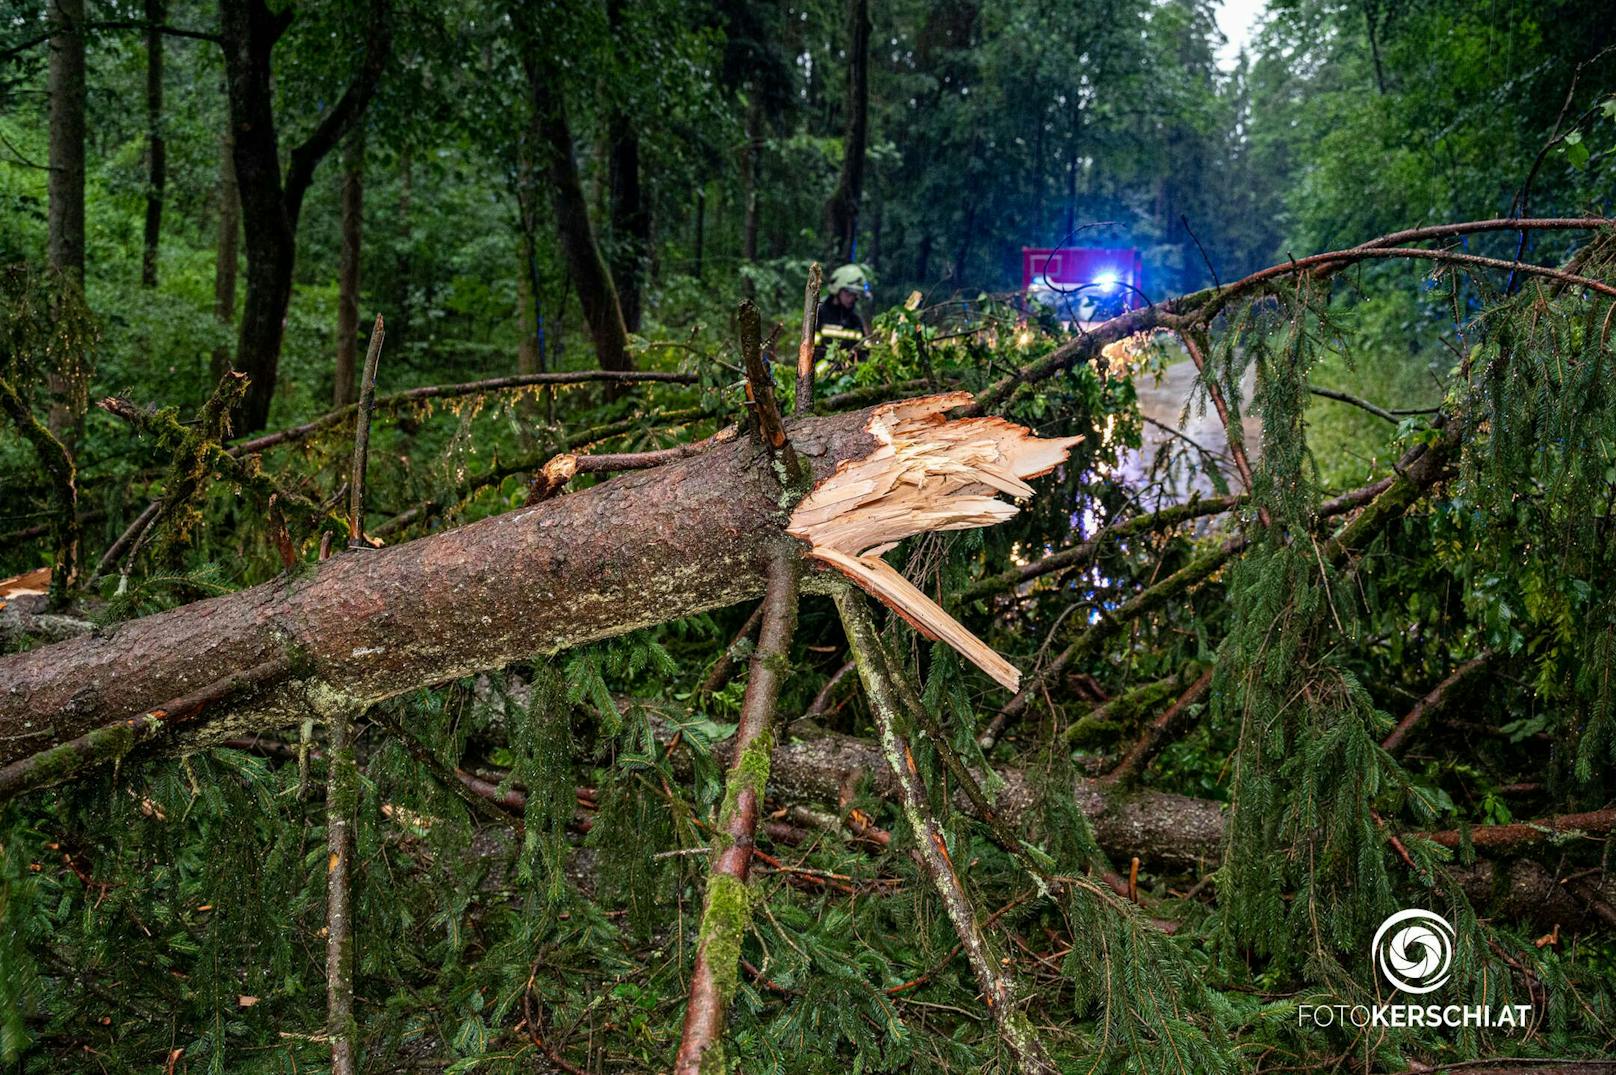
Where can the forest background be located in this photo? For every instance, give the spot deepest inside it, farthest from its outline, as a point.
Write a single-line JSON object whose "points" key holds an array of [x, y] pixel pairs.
{"points": [[597, 186]]}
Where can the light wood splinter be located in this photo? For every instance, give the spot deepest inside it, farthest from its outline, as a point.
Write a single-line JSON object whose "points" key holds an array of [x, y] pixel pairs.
{"points": [[928, 473]]}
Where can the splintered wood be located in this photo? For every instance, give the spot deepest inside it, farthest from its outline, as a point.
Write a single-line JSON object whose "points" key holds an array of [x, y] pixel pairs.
{"points": [[929, 473]]}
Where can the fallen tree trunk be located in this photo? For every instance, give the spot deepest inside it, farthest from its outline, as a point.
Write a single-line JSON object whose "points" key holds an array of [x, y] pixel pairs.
{"points": [[639, 550], [1178, 834]]}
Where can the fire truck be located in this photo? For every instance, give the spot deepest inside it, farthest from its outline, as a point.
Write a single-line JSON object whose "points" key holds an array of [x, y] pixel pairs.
{"points": [[1083, 285]]}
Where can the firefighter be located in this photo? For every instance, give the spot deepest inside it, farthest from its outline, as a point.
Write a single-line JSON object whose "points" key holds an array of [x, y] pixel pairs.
{"points": [[838, 317]]}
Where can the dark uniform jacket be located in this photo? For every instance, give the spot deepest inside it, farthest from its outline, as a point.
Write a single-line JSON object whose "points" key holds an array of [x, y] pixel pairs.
{"points": [[840, 323]]}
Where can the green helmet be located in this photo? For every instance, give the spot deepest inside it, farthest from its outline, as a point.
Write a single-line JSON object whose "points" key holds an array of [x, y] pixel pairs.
{"points": [[849, 278]]}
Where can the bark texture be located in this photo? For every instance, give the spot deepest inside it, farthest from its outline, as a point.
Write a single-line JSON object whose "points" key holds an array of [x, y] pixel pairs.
{"points": [[841, 211], [635, 551], [156, 151], [65, 86], [727, 909]]}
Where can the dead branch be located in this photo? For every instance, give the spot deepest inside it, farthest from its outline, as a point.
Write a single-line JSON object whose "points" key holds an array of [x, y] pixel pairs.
{"points": [[821, 703], [1084, 551], [720, 672], [409, 396], [1108, 626], [109, 743], [607, 462], [727, 910], [1361, 404], [500, 470], [1393, 743], [771, 427], [931, 843], [1336, 260], [1159, 732], [805, 347], [1196, 343], [1518, 836], [361, 452], [341, 803]]}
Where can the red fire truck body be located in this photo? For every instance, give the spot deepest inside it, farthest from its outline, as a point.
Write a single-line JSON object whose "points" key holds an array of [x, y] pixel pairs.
{"points": [[1084, 284]]}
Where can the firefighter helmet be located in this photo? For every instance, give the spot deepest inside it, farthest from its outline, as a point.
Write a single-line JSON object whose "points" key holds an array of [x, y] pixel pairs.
{"points": [[849, 278]]}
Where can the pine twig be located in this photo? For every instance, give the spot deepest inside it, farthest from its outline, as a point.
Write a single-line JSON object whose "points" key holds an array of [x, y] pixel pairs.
{"points": [[341, 802], [1393, 743], [726, 911], [1159, 732], [805, 348], [361, 452], [1012, 1026]]}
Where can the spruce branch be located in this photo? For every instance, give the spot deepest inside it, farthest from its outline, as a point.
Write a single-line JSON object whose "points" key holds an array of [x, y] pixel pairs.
{"points": [[361, 450], [931, 843], [1167, 726]]}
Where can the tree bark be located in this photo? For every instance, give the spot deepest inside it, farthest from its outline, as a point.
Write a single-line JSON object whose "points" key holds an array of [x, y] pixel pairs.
{"points": [[64, 251], [597, 294], [1170, 833], [346, 389], [841, 211], [65, 86], [270, 206], [635, 551], [156, 153]]}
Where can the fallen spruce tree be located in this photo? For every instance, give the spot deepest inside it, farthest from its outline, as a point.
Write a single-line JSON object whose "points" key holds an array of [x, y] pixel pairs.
{"points": [[1321, 814]]}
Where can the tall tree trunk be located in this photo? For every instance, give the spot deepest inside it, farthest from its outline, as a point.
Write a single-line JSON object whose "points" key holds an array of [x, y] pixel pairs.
{"points": [[404, 272], [597, 294], [963, 254], [346, 389], [361, 624], [156, 152], [1371, 12], [841, 211], [270, 208], [631, 220], [65, 249], [65, 214], [227, 252]]}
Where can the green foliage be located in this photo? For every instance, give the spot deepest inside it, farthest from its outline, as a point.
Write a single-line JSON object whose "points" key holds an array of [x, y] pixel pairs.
{"points": [[178, 904]]}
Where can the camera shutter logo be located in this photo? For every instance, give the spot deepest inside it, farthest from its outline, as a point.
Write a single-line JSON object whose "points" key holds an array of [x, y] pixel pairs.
{"points": [[1414, 950]]}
